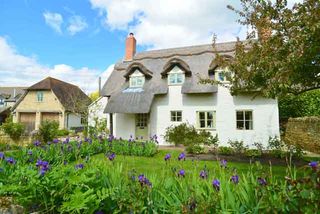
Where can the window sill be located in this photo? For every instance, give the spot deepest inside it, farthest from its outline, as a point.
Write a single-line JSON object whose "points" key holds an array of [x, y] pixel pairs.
{"points": [[209, 129]]}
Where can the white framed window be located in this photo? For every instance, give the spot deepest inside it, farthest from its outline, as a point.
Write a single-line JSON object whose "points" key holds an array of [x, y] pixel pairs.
{"points": [[206, 119], [244, 119], [1, 101], [176, 76], [176, 116], [137, 79], [83, 120], [39, 96]]}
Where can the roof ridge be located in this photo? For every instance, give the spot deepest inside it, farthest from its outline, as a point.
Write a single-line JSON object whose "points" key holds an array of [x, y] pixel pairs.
{"points": [[183, 47]]}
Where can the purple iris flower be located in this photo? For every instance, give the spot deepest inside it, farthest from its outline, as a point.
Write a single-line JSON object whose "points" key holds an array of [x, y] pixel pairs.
{"points": [[203, 174], [216, 184], [43, 166], [37, 143], [235, 179], [144, 181], [65, 162], [110, 138], [10, 160], [223, 163], [181, 173], [313, 164], [262, 181], [66, 141], [1, 155], [79, 166], [55, 141], [111, 156], [182, 156], [167, 157], [30, 152]]}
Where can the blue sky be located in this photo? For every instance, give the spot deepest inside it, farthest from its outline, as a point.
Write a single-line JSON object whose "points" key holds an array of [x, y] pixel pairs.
{"points": [[77, 41]]}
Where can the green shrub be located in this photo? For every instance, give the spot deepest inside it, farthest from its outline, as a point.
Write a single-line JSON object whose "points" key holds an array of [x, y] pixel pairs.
{"points": [[62, 132], [237, 146], [253, 153], [13, 130], [48, 130], [275, 143], [195, 149], [181, 134], [225, 150]]}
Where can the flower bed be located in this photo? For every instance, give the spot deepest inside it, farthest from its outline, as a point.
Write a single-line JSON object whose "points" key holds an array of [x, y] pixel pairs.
{"points": [[91, 186]]}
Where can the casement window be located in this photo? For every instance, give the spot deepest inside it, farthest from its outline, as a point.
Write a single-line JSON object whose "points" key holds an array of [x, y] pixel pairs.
{"points": [[244, 119], [176, 116], [137, 80], [83, 120], [206, 119], [176, 76], [40, 96]]}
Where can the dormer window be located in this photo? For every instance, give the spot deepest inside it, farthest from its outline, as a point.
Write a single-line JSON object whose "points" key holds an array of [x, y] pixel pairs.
{"points": [[137, 79], [176, 76]]}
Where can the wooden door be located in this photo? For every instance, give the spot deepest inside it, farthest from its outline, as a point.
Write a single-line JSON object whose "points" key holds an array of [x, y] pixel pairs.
{"points": [[29, 120], [142, 126], [50, 116]]}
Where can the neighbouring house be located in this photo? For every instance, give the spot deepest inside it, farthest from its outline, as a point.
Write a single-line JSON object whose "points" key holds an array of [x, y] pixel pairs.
{"points": [[55, 100], [96, 112], [8, 97], [152, 90]]}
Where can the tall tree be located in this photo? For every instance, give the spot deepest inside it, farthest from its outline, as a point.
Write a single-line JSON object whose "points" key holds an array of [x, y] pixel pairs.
{"points": [[286, 56]]}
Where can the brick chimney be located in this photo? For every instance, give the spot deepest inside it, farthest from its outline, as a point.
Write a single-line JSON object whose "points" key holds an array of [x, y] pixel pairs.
{"points": [[130, 47]]}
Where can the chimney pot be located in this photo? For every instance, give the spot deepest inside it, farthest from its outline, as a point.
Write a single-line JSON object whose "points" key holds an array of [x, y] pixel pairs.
{"points": [[130, 47]]}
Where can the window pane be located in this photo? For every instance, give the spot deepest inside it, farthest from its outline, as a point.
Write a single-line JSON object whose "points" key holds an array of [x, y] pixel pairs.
{"points": [[209, 115], [209, 124], [179, 78], [248, 125], [179, 118], [240, 124], [239, 115], [201, 115], [171, 78], [179, 113], [248, 115], [202, 123], [221, 76]]}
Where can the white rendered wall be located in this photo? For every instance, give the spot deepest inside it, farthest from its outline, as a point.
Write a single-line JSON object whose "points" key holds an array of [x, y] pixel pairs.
{"points": [[96, 111], [124, 125], [265, 114], [72, 120]]}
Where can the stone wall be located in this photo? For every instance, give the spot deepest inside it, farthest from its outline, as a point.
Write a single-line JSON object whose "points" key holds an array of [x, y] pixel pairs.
{"points": [[304, 132]]}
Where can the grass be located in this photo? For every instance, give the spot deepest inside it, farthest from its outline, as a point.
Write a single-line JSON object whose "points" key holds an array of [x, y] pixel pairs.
{"points": [[156, 164]]}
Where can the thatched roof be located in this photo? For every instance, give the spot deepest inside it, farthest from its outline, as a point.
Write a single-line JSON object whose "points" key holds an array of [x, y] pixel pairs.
{"points": [[176, 62], [70, 96], [195, 60], [11, 93], [136, 65]]}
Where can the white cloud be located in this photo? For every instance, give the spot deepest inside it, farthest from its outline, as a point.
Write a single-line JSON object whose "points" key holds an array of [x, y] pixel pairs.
{"points": [[54, 20], [76, 24], [19, 70], [168, 23]]}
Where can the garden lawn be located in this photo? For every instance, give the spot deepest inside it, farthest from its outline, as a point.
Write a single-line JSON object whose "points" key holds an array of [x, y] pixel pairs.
{"points": [[157, 165]]}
